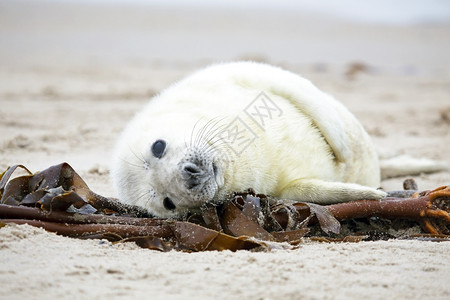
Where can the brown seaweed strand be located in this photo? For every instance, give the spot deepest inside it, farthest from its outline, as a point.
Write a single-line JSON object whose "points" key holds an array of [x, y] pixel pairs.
{"points": [[390, 208], [23, 212], [79, 230]]}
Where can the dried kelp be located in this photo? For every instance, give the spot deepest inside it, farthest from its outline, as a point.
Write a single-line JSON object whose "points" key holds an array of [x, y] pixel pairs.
{"points": [[58, 200]]}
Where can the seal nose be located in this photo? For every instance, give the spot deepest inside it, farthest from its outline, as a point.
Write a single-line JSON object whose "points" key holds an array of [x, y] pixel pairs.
{"points": [[192, 174], [192, 169]]}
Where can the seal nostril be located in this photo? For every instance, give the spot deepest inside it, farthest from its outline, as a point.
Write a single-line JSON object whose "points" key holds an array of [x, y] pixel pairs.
{"points": [[168, 204], [192, 169]]}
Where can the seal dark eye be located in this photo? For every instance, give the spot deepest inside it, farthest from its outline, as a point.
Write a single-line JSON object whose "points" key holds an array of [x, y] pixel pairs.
{"points": [[168, 204], [158, 148]]}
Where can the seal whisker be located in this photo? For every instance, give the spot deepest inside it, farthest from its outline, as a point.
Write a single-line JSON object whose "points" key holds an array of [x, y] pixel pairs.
{"points": [[211, 134], [208, 145], [146, 193], [214, 131], [200, 133], [217, 150], [215, 141], [131, 164], [193, 130], [206, 148], [141, 158], [206, 129]]}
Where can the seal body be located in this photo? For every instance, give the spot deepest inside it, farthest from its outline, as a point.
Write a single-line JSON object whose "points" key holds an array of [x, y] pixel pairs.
{"points": [[243, 125]]}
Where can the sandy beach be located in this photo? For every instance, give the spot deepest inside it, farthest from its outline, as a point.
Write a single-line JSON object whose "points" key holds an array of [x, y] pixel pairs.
{"points": [[72, 76]]}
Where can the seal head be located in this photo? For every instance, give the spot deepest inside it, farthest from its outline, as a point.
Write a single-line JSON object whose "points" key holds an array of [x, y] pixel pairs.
{"points": [[168, 177]]}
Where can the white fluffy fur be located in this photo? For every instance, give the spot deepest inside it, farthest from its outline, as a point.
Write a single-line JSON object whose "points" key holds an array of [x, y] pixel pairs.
{"points": [[314, 151]]}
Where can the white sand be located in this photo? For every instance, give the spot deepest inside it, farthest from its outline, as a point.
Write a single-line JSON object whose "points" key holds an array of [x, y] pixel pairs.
{"points": [[43, 265], [72, 76]]}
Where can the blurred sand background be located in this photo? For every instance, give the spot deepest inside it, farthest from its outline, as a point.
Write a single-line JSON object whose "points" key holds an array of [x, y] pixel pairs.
{"points": [[73, 73]]}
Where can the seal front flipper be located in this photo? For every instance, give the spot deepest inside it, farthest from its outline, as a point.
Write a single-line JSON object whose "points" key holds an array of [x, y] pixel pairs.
{"points": [[326, 192]]}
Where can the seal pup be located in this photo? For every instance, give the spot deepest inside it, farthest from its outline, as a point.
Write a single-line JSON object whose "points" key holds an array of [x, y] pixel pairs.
{"points": [[241, 125]]}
